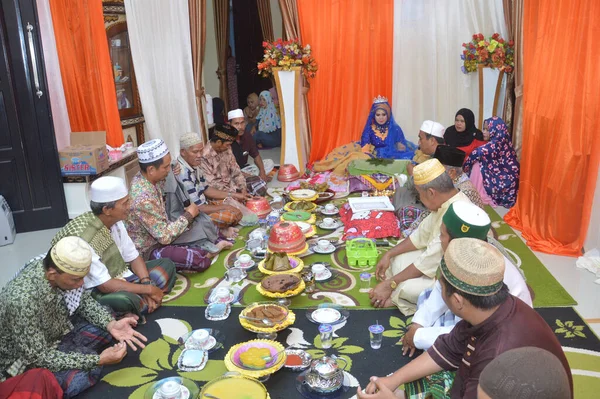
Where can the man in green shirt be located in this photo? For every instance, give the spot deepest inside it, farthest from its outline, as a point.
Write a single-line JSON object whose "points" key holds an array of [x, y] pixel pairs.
{"points": [[47, 320]]}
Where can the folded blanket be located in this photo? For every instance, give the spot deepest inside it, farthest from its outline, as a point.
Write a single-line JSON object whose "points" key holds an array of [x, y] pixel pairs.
{"points": [[369, 167]]}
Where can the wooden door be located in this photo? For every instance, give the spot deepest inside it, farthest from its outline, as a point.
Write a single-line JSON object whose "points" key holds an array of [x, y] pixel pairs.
{"points": [[248, 49], [30, 178]]}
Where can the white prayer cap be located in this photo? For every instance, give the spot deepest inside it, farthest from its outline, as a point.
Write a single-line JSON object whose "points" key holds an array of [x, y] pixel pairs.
{"points": [[235, 113], [152, 150], [108, 189], [189, 139], [433, 128], [72, 255]]}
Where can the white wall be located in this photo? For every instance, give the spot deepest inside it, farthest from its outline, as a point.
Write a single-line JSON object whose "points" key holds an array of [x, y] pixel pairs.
{"points": [[211, 82], [593, 235]]}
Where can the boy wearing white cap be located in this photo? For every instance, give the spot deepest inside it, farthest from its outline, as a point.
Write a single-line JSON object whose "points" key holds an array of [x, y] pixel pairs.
{"points": [[148, 223], [118, 278], [245, 145], [48, 320]]}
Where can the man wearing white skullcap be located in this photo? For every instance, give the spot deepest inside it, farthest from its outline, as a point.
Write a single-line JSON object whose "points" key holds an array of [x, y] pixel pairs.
{"points": [[154, 234], [200, 192], [119, 278], [431, 135], [48, 320], [244, 146]]}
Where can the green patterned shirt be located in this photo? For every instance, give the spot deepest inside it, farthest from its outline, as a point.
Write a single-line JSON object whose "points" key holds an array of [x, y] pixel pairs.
{"points": [[33, 319]]}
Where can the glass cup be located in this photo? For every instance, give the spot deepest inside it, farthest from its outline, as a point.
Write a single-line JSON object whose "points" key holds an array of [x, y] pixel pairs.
{"points": [[376, 335], [326, 333], [365, 281], [309, 281]]}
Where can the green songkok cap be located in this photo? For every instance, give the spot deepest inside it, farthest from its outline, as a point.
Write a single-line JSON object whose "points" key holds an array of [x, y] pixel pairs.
{"points": [[473, 266], [464, 219]]}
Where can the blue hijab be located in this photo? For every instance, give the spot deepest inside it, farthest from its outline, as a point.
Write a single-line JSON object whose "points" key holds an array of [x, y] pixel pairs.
{"points": [[384, 137]]}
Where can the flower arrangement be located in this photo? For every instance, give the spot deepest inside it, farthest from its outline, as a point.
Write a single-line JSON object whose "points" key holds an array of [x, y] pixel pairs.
{"points": [[287, 54], [493, 52]]}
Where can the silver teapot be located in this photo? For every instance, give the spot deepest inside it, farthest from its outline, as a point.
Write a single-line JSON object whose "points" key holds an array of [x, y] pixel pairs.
{"points": [[325, 374]]}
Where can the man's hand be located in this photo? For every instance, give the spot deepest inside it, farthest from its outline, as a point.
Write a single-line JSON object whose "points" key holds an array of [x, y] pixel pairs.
{"points": [[382, 266], [408, 341], [385, 385], [176, 169], [381, 293], [150, 303], [193, 210], [264, 177], [123, 331], [156, 294], [113, 354], [242, 197]]}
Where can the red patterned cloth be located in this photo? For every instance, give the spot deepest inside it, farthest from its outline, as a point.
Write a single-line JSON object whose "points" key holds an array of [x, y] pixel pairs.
{"points": [[377, 224]]}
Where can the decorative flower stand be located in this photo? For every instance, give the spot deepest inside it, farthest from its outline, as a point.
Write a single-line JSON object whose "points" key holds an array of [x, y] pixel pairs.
{"points": [[289, 90], [492, 86]]}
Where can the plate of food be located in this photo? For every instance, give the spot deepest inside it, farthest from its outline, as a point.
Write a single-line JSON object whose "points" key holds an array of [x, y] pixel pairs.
{"points": [[266, 317], [281, 286], [303, 195], [256, 358], [306, 206], [278, 263]]}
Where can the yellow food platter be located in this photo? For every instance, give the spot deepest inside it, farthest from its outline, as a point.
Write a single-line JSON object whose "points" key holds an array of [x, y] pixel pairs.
{"points": [[229, 364], [288, 207], [285, 294], [297, 269], [288, 321], [304, 195]]}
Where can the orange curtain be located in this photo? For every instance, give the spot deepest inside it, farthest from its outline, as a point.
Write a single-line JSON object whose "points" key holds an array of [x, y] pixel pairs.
{"points": [[352, 43], [561, 115], [86, 68]]}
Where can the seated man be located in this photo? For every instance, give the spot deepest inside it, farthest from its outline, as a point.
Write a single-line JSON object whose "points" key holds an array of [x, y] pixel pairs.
{"points": [[493, 322], [196, 187], [409, 268], [431, 135], [244, 146], [45, 305], [218, 164], [138, 290], [433, 318], [412, 215], [148, 224], [532, 370]]}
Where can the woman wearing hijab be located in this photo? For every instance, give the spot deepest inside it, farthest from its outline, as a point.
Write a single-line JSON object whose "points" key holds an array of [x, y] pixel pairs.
{"points": [[268, 133], [463, 134], [381, 138], [493, 167]]}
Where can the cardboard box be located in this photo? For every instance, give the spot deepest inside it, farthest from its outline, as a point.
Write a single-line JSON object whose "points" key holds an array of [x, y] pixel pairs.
{"points": [[86, 155]]}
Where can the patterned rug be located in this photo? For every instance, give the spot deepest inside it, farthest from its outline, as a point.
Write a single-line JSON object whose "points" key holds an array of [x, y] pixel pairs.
{"points": [[139, 370], [344, 286]]}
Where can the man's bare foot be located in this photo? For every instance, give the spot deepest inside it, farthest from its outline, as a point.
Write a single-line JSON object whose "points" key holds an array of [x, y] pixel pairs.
{"points": [[230, 232]]}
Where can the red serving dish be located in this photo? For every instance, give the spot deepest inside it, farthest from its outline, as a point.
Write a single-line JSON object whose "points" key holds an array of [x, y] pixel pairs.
{"points": [[287, 173], [286, 237], [260, 206]]}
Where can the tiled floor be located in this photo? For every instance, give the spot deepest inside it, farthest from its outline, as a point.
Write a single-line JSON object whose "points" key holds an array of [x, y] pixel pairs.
{"points": [[578, 282]]}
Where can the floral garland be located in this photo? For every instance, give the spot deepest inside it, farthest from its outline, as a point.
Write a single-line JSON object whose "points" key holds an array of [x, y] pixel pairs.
{"points": [[493, 52], [287, 54]]}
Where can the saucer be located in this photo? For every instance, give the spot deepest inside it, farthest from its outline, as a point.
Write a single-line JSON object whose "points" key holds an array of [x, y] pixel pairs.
{"points": [[327, 274], [185, 394], [228, 299], [331, 249], [248, 266], [334, 226], [326, 315], [334, 212], [208, 344]]}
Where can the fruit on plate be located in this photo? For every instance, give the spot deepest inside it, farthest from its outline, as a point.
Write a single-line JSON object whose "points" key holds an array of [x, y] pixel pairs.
{"points": [[280, 282], [254, 358]]}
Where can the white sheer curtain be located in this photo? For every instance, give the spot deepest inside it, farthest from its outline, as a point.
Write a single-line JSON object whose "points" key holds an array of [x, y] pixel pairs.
{"points": [[159, 35], [56, 91], [427, 79]]}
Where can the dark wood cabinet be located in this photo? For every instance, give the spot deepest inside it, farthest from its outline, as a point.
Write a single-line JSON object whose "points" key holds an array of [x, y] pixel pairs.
{"points": [[128, 98]]}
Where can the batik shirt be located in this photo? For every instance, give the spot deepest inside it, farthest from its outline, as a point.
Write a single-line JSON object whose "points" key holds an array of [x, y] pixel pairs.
{"points": [[221, 171], [34, 318], [147, 222]]}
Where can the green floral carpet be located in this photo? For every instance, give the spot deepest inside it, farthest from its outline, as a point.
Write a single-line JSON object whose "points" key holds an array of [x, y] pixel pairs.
{"points": [[344, 288], [139, 370]]}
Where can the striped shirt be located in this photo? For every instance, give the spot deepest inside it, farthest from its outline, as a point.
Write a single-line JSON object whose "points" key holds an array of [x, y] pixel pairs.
{"points": [[193, 181]]}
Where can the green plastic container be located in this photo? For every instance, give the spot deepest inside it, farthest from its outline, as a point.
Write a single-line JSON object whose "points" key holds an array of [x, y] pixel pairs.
{"points": [[361, 253]]}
